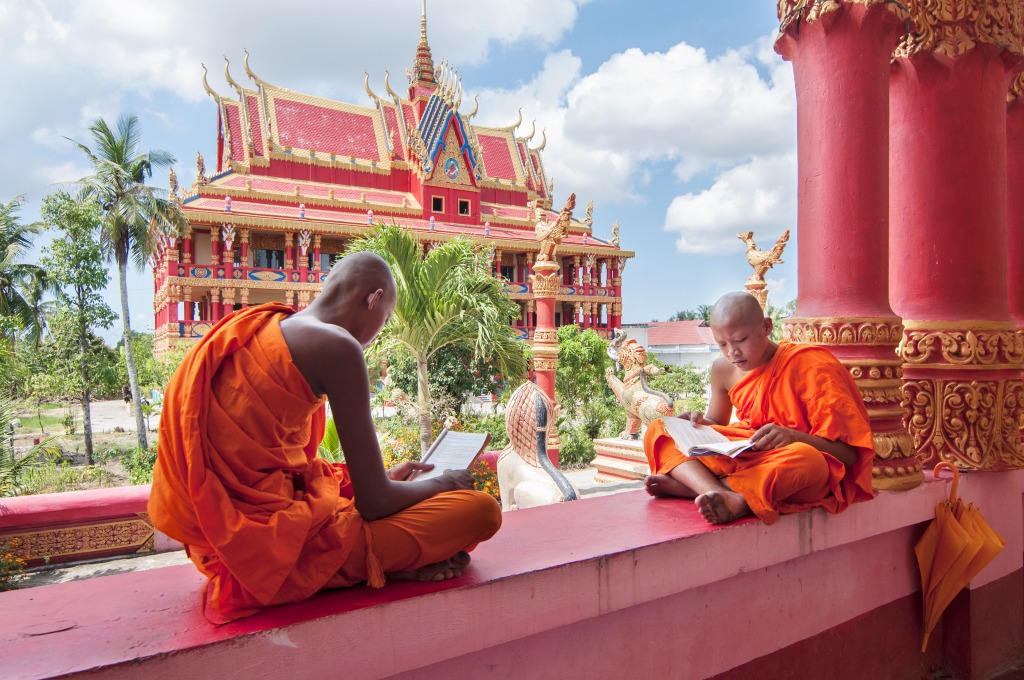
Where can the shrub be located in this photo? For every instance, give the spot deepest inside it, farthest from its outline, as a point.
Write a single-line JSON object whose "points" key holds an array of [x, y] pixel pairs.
{"points": [[577, 449], [486, 479], [139, 464], [493, 424], [12, 567], [60, 476]]}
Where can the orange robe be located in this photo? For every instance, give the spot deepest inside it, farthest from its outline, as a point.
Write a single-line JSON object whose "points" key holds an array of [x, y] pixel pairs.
{"points": [[804, 388], [239, 482]]}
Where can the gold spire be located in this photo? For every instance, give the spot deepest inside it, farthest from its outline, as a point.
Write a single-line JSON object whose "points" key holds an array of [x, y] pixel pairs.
{"points": [[423, 66]]}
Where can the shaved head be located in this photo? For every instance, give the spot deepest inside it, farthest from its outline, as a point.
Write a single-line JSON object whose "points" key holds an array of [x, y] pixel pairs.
{"points": [[736, 308], [359, 274]]}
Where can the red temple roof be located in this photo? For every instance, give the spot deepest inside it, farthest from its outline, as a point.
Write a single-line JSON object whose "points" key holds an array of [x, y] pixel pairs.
{"points": [[679, 333]]}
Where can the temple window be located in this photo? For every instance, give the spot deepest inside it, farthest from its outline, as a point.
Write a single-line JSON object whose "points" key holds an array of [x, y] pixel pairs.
{"points": [[268, 259], [327, 260], [507, 273], [464, 206], [437, 204]]}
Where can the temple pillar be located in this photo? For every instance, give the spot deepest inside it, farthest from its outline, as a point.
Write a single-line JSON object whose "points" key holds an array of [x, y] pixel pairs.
{"points": [[186, 247], [840, 53], [289, 251], [1015, 206], [229, 302], [214, 308], [186, 293], [244, 239], [244, 297], [546, 284], [316, 253], [214, 246], [948, 205], [173, 294]]}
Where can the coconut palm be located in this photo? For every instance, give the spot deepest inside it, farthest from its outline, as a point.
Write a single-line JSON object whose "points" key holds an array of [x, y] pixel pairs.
{"points": [[18, 281], [120, 170], [444, 298], [12, 467]]}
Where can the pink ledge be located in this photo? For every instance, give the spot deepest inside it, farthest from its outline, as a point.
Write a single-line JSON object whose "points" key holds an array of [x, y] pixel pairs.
{"points": [[72, 506], [619, 585]]}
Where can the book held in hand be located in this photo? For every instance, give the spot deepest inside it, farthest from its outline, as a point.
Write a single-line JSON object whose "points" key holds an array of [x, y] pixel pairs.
{"points": [[453, 451], [703, 440]]}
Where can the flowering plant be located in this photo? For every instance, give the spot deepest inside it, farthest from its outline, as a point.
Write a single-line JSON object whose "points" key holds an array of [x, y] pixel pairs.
{"points": [[12, 567], [486, 479]]}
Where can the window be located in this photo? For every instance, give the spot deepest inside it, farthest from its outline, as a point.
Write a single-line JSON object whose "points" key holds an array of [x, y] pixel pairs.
{"points": [[506, 273], [268, 259], [437, 204], [327, 260], [464, 206]]}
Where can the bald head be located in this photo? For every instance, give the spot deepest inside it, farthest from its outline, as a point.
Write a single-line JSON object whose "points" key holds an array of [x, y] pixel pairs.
{"points": [[736, 308], [358, 274]]}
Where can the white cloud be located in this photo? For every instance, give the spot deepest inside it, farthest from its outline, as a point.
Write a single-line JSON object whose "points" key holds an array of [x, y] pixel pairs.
{"points": [[758, 196]]}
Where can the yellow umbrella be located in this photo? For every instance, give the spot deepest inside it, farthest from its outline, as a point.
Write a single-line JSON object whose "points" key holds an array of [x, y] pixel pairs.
{"points": [[957, 545]]}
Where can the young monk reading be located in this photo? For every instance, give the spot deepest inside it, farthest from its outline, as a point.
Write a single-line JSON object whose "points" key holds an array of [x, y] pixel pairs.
{"points": [[238, 479], [800, 408]]}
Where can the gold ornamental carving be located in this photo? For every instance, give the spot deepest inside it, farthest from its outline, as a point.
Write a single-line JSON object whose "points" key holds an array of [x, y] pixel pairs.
{"points": [[882, 331], [813, 10], [991, 348], [122, 536], [973, 424], [545, 336], [550, 234], [545, 284], [1016, 89], [954, 27]]}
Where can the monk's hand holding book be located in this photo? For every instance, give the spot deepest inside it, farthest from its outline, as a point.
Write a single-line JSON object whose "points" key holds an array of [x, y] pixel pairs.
{"points": [[772, 436]]}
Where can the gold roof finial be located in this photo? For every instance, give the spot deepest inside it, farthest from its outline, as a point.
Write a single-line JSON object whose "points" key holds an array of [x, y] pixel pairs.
{"points": [[458, 95], [206, 85], [369, 92], [476, 107], [513, 126], [227, 76], [543, 140], [248, 71], [533, 130], [387, 87]]}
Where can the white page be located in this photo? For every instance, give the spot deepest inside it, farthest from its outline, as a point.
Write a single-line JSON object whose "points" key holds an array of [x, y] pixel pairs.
{"points": [[453, 451]]}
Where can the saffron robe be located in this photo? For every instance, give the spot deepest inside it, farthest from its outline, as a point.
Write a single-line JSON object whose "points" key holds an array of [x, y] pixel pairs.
{"points": [[239, 482], [804, 388]]}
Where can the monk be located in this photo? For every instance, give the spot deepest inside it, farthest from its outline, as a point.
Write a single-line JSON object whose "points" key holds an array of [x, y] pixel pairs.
{"points": [[812, 445], [238, 479]]}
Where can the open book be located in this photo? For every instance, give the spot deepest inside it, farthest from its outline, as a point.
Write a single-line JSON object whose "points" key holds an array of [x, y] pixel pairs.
{"points": [[453, 451], [703, 440]]}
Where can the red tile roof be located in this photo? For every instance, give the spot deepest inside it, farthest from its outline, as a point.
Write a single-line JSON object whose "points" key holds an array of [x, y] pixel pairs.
{"points": [[255, 129], [310, 189], [391, 117], [678, 333], [308, 126], [233, 113], [497, 157]]}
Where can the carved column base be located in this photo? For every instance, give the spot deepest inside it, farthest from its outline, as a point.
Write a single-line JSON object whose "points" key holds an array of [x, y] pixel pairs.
{"points": [[866, 347], [759, 289]]}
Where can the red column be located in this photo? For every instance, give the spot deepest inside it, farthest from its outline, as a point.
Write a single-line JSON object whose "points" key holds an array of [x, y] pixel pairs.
{"points": [[841, 54], [1015, 206], [187, 250], [949, 239]]}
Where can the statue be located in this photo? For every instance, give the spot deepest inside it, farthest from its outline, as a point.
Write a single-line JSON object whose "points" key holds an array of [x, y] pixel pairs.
{"points": [[526, 476], [615, 233], [642, 404], [201, 177], [761, 261], [550, 234], [589, 218], [173, 182]]}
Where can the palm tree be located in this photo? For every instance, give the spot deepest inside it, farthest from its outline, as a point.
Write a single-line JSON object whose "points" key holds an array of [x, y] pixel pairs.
{"points": [[120, 170], [18, 280], [444, 298]]}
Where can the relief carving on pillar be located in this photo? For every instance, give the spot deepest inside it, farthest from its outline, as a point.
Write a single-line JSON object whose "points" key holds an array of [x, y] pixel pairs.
{"points": [[812, 10], [1016, 89], [999, 346], [843, 331], [972, 423], [546, 285], [545, 336], [954, 27]]}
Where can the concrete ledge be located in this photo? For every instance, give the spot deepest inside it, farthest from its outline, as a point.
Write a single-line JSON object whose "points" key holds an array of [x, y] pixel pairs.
{"points": [[622, 584], [82, 525]]}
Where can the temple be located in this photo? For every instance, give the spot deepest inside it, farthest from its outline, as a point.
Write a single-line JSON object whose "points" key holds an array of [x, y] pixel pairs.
{"points": [[298, 176]]}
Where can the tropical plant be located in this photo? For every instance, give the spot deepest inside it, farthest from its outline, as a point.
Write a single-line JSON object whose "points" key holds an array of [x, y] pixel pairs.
{"points": [[702, 314], [582, 359], [17, 278], [330, 447], [117, 184], [445, 298], [75, 264], [686, 384], [454, 374], [13, 468], [778, 315]]}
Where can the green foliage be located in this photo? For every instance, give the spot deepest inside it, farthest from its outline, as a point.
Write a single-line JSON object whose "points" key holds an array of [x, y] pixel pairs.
{"points": [[687, 385], [778, 315], [577, 448], [453, 374], [493, 424], [330, 447], [139, 464], [17, 278], [399, 441], [15, 470], [57, 476], [582, 359], [702, 313], [12, 567], [447, 298]]}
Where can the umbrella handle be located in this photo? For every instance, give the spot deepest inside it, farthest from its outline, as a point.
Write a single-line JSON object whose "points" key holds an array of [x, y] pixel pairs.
{"points": [[956, 477]]}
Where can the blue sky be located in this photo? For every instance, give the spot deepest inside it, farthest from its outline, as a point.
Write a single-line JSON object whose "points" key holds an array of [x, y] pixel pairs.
{"points": [[677, 118]]}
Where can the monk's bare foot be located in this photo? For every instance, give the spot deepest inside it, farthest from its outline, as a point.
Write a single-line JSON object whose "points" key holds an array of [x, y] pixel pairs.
{"points": [[666, 486], [453, 567], [720, 507]]}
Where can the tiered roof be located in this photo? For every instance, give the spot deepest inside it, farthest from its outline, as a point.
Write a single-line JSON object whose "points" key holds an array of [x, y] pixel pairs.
{"points": [[279, 148]]}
